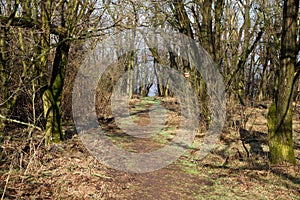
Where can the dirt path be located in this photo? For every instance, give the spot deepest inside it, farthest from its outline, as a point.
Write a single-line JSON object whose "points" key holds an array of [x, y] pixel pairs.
{"points": [[168, 183], [216, 177], [171, 182], [69, 171]]}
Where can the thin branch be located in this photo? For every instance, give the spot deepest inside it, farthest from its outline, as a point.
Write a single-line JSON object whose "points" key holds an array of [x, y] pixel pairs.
{"points": [[28, 22], [19, 122], [6, 182]]}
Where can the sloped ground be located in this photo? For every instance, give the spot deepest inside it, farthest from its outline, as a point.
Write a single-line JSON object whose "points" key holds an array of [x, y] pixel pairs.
{"points": [[237, 168]]}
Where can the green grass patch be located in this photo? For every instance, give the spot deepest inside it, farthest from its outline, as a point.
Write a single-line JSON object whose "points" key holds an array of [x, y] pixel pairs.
{"points": [[188, 166], [148, 101], [165, 135]]}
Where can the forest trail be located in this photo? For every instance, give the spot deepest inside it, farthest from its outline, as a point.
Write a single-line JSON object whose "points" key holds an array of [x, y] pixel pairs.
{"points": [[179, 180], [69, 171]]}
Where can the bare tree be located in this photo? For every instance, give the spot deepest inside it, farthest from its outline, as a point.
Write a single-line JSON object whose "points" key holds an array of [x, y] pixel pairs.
{"points": [[59, 24]]}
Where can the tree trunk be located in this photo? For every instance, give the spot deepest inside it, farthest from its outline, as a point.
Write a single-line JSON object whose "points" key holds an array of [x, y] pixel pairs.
{"points": [[205, 32], [4, 80], [263, 83], [53, 94], [280, 113], [130, 68], [217, 48]]}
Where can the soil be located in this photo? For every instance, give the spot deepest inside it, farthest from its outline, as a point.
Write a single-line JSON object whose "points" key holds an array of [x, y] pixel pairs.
{"points": [[237, 168]]}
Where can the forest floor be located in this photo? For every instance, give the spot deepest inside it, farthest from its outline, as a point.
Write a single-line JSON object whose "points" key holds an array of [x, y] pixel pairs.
{"points": [[237, 168]]}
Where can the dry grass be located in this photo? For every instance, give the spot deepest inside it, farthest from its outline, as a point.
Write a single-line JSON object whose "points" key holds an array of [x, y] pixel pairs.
{"points": [[68, 171]]}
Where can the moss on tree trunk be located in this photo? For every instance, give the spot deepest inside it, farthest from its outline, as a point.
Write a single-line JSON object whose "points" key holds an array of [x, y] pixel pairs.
{"points": [[280, 133], [280, 137], [53, 94]]}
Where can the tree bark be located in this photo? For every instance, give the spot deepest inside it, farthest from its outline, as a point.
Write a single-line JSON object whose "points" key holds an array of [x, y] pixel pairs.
{"points": [[53, 94], [205, 32], [280, 133]]}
